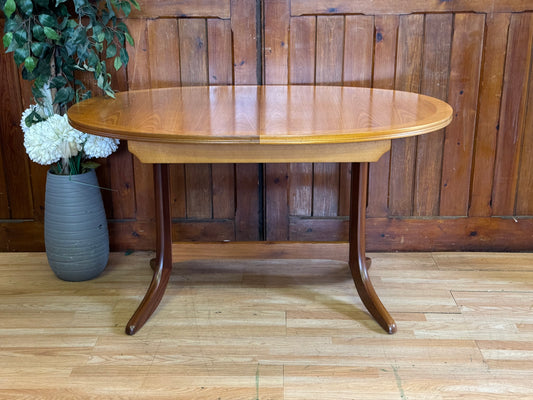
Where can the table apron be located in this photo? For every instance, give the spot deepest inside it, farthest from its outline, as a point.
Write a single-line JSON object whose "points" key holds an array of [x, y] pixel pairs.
{"points": [[191, 153]]}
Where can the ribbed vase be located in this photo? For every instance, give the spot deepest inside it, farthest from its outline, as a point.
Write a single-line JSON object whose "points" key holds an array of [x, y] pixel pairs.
{"points": [[75, 226]]}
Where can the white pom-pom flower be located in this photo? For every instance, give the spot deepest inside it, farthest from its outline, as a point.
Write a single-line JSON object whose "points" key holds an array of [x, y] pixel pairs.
{"points": [[42, 144], [42, 112], [48, 141], [97, 146]]}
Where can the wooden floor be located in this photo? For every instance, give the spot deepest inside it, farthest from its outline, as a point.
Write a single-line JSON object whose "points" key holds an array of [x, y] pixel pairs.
{"points": [[271, 330]]}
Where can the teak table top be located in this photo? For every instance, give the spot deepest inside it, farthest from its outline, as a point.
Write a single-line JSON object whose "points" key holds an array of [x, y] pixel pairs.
{"points": [[260, 115]]}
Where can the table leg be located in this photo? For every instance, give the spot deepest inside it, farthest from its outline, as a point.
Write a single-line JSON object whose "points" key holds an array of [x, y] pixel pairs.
{"points": [[358, 261], [162, 264]]}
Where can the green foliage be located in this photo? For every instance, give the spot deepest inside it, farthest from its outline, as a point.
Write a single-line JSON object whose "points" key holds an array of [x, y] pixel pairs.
{"points": [[51, 39]]}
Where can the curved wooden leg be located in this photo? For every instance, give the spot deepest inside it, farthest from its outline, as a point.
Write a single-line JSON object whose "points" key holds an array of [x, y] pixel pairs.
{"points": [[163, 261], [358, 261]]}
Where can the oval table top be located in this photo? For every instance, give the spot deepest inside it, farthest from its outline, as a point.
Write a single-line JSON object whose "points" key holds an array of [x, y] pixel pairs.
{"points": [[285, 114]]}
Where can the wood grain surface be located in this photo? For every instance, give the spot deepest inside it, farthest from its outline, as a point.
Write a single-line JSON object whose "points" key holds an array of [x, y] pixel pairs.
{"points": [[279, 329], [302, 7], [281, 115]]}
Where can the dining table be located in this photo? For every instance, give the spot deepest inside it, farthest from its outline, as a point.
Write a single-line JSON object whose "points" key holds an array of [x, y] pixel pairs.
{"points": [[260, 124]]}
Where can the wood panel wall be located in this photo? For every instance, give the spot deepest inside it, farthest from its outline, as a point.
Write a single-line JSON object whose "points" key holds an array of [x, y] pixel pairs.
{"points": [[467, 187]]}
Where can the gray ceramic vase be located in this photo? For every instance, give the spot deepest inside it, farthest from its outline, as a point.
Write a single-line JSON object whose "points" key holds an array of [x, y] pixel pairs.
{"points": [[75, 226]]}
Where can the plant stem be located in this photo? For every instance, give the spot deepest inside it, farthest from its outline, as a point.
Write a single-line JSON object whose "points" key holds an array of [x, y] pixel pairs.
{"points": [[53, 91]]}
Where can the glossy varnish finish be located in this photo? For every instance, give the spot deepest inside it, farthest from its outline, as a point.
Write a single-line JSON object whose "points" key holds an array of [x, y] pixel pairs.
{"points": [[261, 114]]}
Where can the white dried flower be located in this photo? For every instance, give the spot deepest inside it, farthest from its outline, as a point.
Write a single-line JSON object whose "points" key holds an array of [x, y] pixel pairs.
{"points": [[48, 141], [42, 145], [54, 138], [34, 107], [97, 146]]}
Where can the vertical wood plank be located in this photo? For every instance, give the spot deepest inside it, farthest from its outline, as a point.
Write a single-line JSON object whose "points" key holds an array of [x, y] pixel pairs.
{"points": [[467, 47], [104, 181], [384, 68], [37, 172], [524, 200], [302, 50], [15, 191], [248, 221], [139, 63], [276, 37], [4, 201], [121, 180], [301, 70], [403, 151], [164, 52], [144, 198], [325, 189], [301, 189], [139, 78], [513, 112], [38, 182], [385, 41], [219, 52], [245, 51], [490, 91], [435, 72], [223, 176], [276, 202], [345, 174], [193, 51], [358, 50], [329, 50], [6, 120], [178, 198], [194, 71], [199, 190]]}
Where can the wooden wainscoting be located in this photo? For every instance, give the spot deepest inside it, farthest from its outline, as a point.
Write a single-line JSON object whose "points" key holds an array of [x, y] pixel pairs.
{"points": [[474, 176]]}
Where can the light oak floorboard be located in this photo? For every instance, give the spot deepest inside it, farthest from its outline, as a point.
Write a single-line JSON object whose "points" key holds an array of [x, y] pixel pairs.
{"points": [[270, 329]]}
